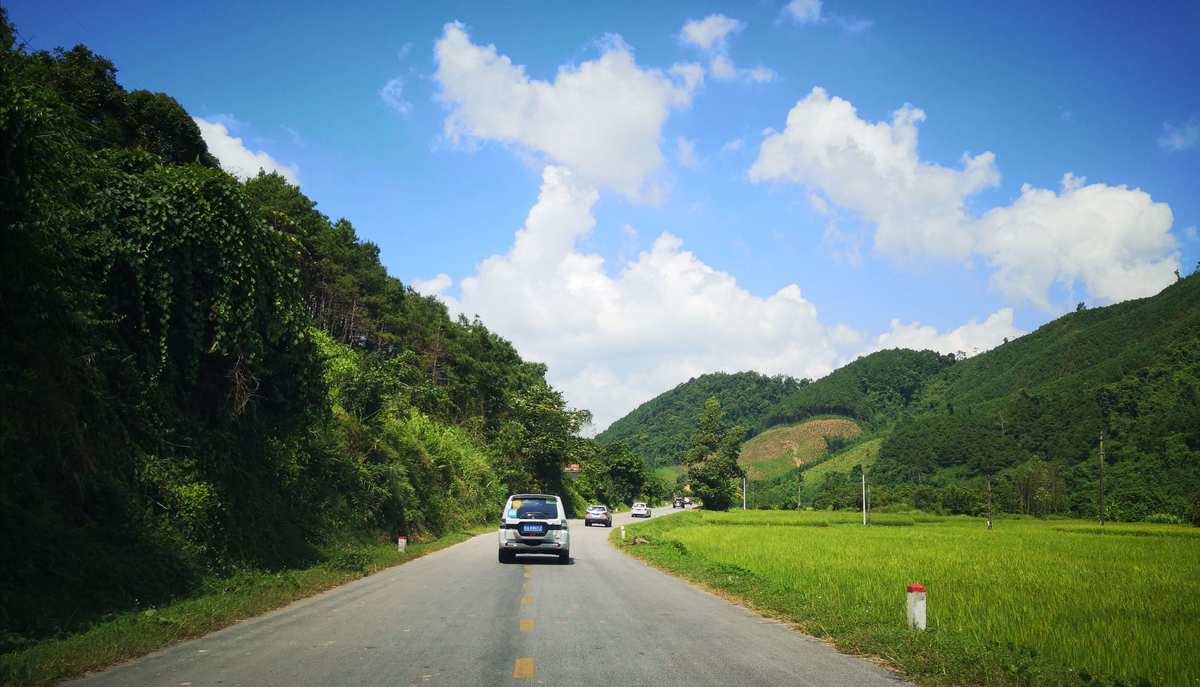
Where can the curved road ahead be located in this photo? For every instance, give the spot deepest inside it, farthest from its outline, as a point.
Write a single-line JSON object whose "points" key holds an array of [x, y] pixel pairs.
{"points": [[457, 617]]}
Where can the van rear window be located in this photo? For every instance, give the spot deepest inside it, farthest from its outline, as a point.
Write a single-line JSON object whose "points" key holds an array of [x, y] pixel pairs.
{"points": [[533, 509]]}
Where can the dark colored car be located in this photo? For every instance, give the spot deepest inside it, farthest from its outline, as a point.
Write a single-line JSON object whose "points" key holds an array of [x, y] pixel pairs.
{"points": [[678, 503], [599, 515]]}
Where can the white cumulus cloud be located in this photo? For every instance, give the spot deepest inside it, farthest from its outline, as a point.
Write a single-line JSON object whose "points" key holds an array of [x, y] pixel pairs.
{"points": [[1116, 241], [433, 287], [874, 169], [803, 11], [236, 158], [971, 338], [602, 118], [711, 35], [616, 339]]}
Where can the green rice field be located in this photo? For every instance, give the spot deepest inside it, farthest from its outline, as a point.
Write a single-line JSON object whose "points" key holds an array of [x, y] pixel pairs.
{"points": [[1032, 602]]}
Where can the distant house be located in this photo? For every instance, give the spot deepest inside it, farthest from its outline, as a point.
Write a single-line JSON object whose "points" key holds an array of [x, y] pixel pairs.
{"points": [[573, 469]]}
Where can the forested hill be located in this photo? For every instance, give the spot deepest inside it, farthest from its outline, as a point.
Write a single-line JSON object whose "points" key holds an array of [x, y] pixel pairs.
{"points": [[200, 375], [872, 389], [1029, 414], [660, 430]]}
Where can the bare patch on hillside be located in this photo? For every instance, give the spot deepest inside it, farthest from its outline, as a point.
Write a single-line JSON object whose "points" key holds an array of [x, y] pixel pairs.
{"points": [[780, 449]]}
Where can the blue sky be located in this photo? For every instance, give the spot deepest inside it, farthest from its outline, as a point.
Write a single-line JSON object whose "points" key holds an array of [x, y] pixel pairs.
{"points": [[838, 205]]}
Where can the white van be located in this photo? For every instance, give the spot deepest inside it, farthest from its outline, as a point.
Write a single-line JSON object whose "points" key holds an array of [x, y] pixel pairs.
{"points": [[534, 523]]}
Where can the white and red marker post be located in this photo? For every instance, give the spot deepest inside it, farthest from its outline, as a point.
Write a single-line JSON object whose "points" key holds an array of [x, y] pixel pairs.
{"points": [[916, 606], [401, 543]]}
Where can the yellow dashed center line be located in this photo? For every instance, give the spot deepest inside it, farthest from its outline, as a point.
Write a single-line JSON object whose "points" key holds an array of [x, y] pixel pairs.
{"points": [[526, 600], [525, 586], [526, 624], [523, 667]]}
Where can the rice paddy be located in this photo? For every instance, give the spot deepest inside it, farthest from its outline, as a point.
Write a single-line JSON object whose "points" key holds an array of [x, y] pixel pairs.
{"points": [[1030, 602]]}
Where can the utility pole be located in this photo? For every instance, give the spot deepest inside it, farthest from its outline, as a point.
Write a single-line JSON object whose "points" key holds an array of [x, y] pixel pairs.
{"points": [[989, 485], [1102, 478], [799, 487], [868, 504], [864, 496]]}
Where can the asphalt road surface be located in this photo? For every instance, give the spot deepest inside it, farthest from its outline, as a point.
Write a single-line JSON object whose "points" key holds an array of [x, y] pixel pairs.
{"points": [[458, 617]]}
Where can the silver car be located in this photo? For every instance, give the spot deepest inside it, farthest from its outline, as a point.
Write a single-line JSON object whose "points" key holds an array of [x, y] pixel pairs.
{"points": [[534, 523], [598, 514]]}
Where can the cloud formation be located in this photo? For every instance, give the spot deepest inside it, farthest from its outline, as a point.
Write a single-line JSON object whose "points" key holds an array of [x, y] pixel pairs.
{"points": [[392, 95], [602, 118], [616, 338], [803, 11], [614, 341], [1180, 137], [1114, 240], [970, 339], [236, 158], [711, 35]]}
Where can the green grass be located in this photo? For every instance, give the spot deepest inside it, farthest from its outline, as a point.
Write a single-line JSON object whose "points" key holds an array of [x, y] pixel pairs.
{"points": [[668, 473], [860, 454], [224, 602], [1028, 603]]}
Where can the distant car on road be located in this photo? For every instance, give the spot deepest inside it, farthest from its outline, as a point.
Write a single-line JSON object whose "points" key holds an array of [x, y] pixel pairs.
{"points": [[677, 503], [597, 514], [534, 523], [640, 510], [687, 501]]}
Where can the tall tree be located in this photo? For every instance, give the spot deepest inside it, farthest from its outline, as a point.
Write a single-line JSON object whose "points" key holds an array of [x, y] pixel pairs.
{"points": [[712, 460]]}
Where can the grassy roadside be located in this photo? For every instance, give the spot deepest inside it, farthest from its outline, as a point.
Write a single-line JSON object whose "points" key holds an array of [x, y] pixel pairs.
{"points": [[1016, 606], [224, 602]]}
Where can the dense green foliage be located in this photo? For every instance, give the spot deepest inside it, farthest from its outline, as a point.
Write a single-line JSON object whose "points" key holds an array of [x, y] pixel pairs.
{"points": [[612, 474], [712, 459], [1029, 415], [1027, 603], [660, 430], [871, 389], [1017, 427], [200, 376]]}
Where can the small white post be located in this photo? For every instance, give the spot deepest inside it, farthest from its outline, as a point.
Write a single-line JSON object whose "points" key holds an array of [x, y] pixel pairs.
{"points": [[916, 606], [401, 543], [622, 533]]}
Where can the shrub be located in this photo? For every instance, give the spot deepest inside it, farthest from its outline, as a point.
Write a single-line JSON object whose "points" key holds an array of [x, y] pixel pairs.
{"points": [[1164, 519]]}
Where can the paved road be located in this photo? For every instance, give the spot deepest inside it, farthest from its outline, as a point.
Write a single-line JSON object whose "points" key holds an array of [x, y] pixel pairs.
{"points": [[457, 617]]}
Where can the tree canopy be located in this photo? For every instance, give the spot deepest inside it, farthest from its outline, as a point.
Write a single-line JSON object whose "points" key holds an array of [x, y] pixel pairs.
{"points": [[200, 374], [712, 458], [660, 430]]}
